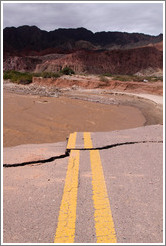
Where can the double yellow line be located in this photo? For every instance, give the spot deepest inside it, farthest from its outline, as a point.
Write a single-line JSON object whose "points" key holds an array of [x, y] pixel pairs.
{"points": [[104, 225]]}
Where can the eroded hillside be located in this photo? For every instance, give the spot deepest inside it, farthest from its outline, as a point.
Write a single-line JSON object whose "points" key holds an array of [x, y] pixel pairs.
{"points": [[31, 49]]}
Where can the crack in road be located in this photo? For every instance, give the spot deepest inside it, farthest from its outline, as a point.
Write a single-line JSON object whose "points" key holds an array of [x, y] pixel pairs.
{"points": [[67, 153], [114, 145], [38, 161]]}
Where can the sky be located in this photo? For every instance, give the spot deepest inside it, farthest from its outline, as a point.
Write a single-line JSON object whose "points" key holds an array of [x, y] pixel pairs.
{"points": [[124, 17]]}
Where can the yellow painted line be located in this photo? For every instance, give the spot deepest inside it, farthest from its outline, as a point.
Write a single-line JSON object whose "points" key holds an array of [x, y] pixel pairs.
{"points": [[105, 231], [65, 232], [104, 225], [87, 140], [72, 141]]}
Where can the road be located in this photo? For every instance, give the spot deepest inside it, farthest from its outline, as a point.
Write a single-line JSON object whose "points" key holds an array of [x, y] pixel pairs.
{"points": [[106, 188]]}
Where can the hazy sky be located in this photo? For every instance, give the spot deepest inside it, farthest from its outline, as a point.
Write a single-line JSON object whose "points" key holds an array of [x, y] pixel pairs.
{"points": [[127, 17]]}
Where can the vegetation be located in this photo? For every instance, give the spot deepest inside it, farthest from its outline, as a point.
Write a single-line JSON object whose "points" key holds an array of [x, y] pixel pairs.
{"points": [[67, 71], [26, 77], [133, 78], [107, 74], [103, 78], [18, 77], [136, 78], [47, 75]]}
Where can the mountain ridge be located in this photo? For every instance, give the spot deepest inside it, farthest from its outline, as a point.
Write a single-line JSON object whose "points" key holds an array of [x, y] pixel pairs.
{"points": [[26, 40], [27, 48]]}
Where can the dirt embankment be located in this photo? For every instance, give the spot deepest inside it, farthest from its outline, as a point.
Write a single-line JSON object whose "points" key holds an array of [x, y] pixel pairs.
{"points": [[94, 82], [53, 87]]}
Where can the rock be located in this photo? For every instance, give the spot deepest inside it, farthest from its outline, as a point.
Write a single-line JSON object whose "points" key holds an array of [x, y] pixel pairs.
{"points": [[114, 62]]}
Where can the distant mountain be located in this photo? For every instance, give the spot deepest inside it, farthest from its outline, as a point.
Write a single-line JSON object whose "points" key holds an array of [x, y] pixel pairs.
{"points": [[30, 40], [27, 48]]}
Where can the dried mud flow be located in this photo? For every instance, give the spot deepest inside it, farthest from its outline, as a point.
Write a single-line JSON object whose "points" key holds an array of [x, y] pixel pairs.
{"points": [[43, 114]]}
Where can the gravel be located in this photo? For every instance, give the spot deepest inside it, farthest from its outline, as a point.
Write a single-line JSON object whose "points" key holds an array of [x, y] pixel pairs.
{"points": [[32, 89]]}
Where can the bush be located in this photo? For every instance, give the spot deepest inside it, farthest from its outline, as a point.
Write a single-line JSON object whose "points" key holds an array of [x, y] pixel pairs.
{"points": [[103, 79], [123, 77], [26, 78], [136, 78], [67, 71], [18, 77], [49, 75], [56, 75], [107, 74], [133, 78]]}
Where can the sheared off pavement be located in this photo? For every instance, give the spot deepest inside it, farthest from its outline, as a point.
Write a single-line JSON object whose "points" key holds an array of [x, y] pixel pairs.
{"points": [[125, 165]]}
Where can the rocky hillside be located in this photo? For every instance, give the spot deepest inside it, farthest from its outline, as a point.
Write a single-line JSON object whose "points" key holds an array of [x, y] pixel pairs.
{"points": [[146, 60], [114, 62], [27, 48]]}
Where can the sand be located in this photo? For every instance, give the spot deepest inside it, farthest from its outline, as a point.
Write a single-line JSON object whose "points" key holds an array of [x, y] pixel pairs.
{"points": [[34, 119]]}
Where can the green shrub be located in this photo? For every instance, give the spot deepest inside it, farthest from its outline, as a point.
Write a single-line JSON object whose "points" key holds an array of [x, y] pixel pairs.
{"points": [[107, 74], [37, 74], [47, 75], [103, 78], [18, 77], [26, 78], [56, 75], [136, 78], [67, 71], [123, 77], [153, 78]]}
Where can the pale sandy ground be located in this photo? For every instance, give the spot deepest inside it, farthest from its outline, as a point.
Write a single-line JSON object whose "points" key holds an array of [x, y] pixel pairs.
{"points": [[154, 98], [35, 119]]}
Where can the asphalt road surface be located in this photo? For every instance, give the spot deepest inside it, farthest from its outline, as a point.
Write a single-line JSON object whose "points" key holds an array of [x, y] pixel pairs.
{"points": [[106, 188]]}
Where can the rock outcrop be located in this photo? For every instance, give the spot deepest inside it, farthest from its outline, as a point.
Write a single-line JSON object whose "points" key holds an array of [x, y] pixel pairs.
{"points": [[113, 62], [31, 49]]}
